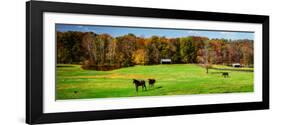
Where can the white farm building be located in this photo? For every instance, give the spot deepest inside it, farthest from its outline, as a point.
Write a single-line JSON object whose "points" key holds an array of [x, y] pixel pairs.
{"points": [[165, 61]]}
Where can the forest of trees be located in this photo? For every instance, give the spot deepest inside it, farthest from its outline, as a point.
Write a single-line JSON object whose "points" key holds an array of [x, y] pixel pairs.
{"points": [[90, 50]]}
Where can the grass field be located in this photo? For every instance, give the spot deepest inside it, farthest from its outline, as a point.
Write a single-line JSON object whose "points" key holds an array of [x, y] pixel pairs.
{"points": [[171, 79], [232, 68]]}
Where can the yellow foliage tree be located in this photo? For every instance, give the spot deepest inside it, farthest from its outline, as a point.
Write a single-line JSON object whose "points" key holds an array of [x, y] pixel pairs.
{"points": [[139, 57]]}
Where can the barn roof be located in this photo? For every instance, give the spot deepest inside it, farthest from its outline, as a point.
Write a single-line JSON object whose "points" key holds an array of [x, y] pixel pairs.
{"points": [[166, 60]]}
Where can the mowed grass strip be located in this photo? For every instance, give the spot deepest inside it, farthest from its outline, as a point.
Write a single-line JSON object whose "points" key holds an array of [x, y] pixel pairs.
{"points": [[171, 79]]}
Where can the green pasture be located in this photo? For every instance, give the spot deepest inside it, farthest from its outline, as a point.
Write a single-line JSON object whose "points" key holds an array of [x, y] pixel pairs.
{"points": [[72, 82]]}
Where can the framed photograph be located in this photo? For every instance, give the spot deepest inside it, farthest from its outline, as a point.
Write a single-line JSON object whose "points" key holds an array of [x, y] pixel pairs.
{"points": [[95, 62]]}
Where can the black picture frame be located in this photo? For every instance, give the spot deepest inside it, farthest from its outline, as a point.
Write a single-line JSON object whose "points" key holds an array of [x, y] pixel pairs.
{"points": [[34, 61]]}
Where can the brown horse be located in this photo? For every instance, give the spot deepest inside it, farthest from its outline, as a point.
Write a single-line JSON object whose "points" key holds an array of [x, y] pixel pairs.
{"points": [[225, 74], [139, 83], [151, 83]]}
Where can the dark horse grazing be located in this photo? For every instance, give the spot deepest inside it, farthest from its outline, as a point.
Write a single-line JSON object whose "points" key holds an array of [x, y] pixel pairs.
{"points": [[225, 74], [139, 83], [151, 83]]}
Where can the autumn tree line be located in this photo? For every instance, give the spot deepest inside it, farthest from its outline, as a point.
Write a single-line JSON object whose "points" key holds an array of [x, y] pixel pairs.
{"points": [[97, 50]]}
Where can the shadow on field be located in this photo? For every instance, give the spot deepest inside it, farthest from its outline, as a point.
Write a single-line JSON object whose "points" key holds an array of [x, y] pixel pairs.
{"points": [[155, 88], [224, 74], [216, 72], [148, 90], [159, 87]]}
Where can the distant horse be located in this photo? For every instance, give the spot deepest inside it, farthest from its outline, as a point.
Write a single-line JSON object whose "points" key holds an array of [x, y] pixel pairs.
{"points": [[225, 74], [151, 83], [139, 83]]}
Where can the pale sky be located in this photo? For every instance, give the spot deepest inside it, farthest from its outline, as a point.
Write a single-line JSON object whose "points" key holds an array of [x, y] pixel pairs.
{"points": [[148, 32]]}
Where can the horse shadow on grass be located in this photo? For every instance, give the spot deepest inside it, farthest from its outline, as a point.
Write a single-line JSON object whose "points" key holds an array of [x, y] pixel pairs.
{"points": [[149, 90], [159, 87], [224, 74], [216, 72], [154, 88]]}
